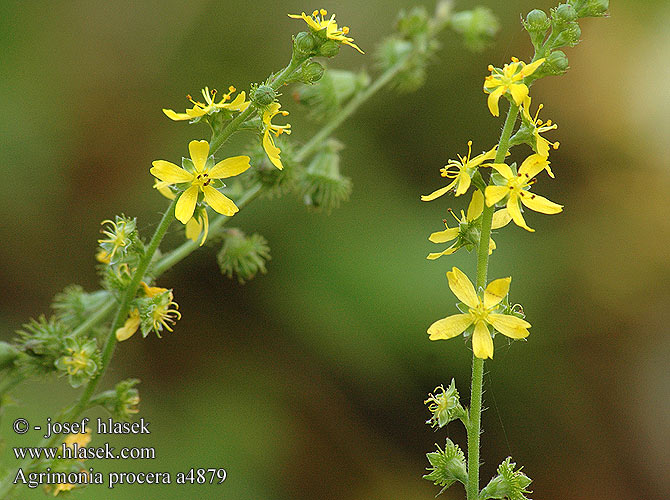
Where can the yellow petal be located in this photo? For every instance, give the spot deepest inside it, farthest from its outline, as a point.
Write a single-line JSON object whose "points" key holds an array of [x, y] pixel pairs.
{"points": [[129, 327], [463, 183], [519, 92], [462, 287], [351, 44], [219, 202], [164, 189], [510, 326], [449, 327], [448, 251], [492, 246], [272, 150], [436, 194], [199, 151], [482, 343], [494, 194], [493, 99], [193, 229], [529, 69], [503, 169], [515, 213], [237, 104], [444, 236], [533, 165], [540, 203], [169, 172], [230, 167], [500, 219], [183, 211], [479, 159], [476, 206], [176, 116], [496, 291]]}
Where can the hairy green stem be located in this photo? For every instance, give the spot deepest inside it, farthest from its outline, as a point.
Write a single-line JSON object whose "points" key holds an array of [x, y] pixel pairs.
{"points": [[475, 414]]}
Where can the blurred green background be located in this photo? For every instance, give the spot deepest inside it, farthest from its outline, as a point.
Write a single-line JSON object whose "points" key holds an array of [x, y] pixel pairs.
{"points": [[309, 382]]}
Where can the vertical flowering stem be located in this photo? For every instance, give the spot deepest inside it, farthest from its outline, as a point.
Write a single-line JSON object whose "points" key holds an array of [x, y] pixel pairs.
{"points": [[475, 417]]}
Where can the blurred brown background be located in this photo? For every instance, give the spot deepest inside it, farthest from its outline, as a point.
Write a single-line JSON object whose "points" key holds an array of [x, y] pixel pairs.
{"points": [[309, 382]]}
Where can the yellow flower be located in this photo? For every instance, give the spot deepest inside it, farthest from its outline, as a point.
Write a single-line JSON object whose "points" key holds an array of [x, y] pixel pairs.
{"points": [[509, 79], [160, 314], [317, 22], [516, 189], [200, 180], [209, 106], [269, 145], [481, 313], [461, 171], [466, 226], [541, 144]]}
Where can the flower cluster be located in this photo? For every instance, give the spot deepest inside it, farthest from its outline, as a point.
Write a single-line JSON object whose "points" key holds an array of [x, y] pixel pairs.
{"points": [[501, 192]]}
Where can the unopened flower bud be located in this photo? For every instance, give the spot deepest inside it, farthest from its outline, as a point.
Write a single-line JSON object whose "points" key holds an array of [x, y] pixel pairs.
{"points": [[569, 36], [555, 64], [590, 8], [304, 43], [263, 95], [564, 14], [537, 21], [312, 72], [329, 48]]}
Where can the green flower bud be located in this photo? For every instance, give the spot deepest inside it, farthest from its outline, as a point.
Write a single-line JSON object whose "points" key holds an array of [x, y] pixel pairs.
{"points": [[569, 36], [122, 401], [555, 64], [311, 72], [564, 14], [322, 186], [262, 95], [8, 354], [537, 20], [590, 8], [330, 48], [508, 483], [447, 466], [242, 255], [304, 44], [478, 26], [444, 405]]}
